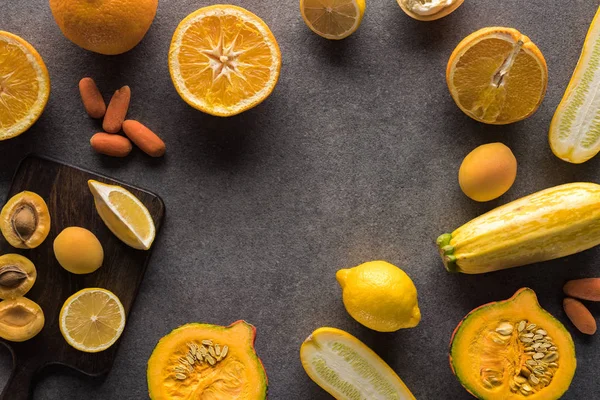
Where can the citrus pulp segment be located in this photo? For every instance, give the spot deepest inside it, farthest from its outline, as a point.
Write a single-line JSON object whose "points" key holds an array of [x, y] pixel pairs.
{"points": [[575, 130], [24, 85], [333, 19], [497, 76], [124, 214], [347, 369], [92, 320], [224, 60]]}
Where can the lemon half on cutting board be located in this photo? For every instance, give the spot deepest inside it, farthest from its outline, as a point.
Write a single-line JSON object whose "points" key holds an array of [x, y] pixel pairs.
{"points": [[24, 85], [92, 320], [224, 60], [124, 214]]}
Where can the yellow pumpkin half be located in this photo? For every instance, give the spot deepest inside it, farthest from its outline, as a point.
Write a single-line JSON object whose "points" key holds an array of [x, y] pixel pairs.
{"points": [[203, 361], [513, 349]]}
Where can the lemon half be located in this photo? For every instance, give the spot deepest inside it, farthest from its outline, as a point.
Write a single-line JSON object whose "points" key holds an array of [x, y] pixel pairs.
{"points": [[92, 320]]}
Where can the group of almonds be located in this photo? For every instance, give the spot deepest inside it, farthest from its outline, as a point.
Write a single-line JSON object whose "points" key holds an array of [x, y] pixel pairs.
{"points": [[578, 313], [109, 142]]}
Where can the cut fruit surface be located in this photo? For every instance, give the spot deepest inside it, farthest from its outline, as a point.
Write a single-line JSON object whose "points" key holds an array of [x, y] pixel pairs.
{"points": [[347, 369], [124, 214], [208, 362], [333, 19], [575, 130], [224, 60], [497, 76], [24, 85], [92, 320], [513, 349]]}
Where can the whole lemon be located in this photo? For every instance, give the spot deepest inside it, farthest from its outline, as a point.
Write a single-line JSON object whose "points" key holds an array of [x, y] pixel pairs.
{"points": [[380, 296], [487, 172], [104, 26], [78, 250]]}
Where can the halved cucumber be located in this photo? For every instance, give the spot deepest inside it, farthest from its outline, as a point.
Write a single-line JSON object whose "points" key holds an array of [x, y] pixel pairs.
{"points": [[575, 129], [347, 369]]}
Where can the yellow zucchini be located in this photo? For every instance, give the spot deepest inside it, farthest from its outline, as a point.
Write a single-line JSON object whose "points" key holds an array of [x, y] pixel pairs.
{"points": [[553, 223]]}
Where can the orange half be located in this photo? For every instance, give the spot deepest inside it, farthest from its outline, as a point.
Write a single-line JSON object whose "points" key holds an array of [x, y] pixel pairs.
{"points": [[497, 76], [224, 60], [24, 85]]}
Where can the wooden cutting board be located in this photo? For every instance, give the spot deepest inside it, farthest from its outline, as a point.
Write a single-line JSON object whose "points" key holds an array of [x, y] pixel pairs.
{"points": [[65, 190]]}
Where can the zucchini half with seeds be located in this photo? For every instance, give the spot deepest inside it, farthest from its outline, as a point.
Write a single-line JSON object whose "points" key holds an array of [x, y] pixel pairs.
{"points": [[549, 224]]}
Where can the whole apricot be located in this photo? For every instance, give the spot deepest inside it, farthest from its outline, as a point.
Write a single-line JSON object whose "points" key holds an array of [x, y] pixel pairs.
{"points": [[78, 250], [487, 172]]}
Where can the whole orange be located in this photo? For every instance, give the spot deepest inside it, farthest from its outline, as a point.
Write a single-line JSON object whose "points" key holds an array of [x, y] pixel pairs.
{"points": [[104, 26]]}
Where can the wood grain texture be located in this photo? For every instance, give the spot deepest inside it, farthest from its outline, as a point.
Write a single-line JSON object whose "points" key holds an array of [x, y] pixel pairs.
{"points": [[65, 190]]}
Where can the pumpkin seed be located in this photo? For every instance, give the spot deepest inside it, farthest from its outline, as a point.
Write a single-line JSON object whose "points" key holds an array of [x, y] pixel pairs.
{"points": [[183, 361], [533, 363], [538, 337], [190, 359], [525, 392], [548, 338], [529, 349], [514, 387], [202, 350], [545, 381], [526, 387], [179, 368], [553, 348], [541, 332], [224, 351], [551, 357], [534, 380], [527, 335], [526, 340], [211, 351], [553, 365], [520, 380], [180, 376], [521, 326], [207, 342], [538, 372], [210, 360], [531, 327], [505, 328], [217, 350], [538, 356]]}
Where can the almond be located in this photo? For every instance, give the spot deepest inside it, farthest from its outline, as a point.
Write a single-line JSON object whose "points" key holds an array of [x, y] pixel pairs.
{"points": [[585, 289], [117, 110], [580, 316], [144, 138], [111, 145], [92, 98]]}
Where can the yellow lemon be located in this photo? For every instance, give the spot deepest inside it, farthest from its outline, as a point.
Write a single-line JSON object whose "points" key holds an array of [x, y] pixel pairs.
{"points": [[124, 214], [380, 296], [224, 60], [333, 19], [104, 26], [24, 85], [92, 320]]}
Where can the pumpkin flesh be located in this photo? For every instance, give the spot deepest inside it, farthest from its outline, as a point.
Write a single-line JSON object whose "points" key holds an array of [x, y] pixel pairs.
{"points": [[239, 375], [477, 356]]}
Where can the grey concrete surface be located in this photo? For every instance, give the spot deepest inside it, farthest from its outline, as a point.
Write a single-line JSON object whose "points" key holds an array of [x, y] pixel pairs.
{"points": [[353, 158]]}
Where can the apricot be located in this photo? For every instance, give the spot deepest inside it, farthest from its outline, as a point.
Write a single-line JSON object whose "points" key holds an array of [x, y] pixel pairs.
{"points": [[25, 220], [20, 319], [487, 172], [78, 250], [17, 276]]}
